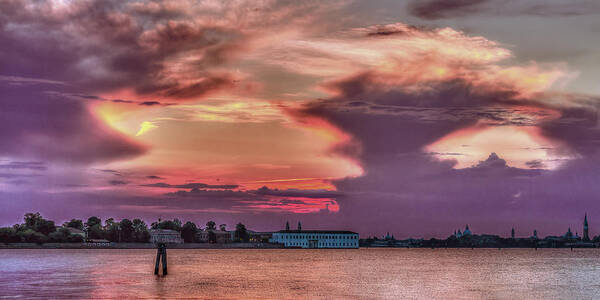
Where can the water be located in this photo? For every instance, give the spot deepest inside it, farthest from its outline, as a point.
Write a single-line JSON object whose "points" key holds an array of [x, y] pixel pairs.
{"points": [[304, 274]]}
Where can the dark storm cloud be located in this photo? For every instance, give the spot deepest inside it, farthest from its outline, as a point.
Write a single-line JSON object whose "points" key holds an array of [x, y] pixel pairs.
{"points": [[259, 194], [40, 127], [579, 127], [193, 185], [20, 81], [440, 9], [535, 164], [199, 88], [494, 165], [121, 101], [117, 182], [100, 45], [30, 165], [411, 191], [150, 103], [297, 193], [13, 175], [154, 177], [437, 9]]}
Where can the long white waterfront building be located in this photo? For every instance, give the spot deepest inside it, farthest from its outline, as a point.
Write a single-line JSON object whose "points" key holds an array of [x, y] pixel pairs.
{"points": [[315, 238]]}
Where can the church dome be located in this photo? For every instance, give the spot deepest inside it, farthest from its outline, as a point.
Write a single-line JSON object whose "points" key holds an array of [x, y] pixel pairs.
{"points": [[467, 231]]}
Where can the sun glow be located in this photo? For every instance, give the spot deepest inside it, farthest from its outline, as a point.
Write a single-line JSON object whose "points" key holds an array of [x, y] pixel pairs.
{"points": [[520, 146]]}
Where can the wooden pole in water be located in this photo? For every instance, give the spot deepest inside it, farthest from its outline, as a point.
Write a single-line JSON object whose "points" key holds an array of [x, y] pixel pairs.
{"points": [[161, 253], [157, 260], [164, 260]]}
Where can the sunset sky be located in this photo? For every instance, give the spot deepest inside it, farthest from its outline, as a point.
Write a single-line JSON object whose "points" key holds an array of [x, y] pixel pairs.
{"points": [[413, 117]]}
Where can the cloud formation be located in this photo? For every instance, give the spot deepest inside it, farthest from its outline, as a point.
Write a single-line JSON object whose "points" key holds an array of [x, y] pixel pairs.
{"points": [[40, 127], [193, 185], [440, 9]]}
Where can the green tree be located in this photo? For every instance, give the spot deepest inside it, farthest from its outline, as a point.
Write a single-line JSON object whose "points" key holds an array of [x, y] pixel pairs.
{"points": [[211, 225], [95, 232], [74, 223], [91, 221], [60, 236], [35, 222], [32, 219], [8, 235], [241, 233], [140, 231], [46, 227], [223, 227], [127, 230], [188, 232], [212, 237], [31, 236], [111, 230], [167, 224], [94, 228]]}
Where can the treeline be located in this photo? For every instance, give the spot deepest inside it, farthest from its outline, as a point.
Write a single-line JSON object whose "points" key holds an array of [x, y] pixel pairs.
{"points": [[36, 229], [189, 231]]}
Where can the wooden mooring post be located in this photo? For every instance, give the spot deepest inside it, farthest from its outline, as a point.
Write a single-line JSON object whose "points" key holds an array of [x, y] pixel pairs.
{"points": [[161, 252]]}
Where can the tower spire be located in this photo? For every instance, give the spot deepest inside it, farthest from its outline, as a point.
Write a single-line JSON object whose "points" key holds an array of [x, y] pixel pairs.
{"points": [[586, 235]]}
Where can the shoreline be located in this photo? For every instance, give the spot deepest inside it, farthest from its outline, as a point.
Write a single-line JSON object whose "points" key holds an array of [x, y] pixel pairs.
{"points": [[139, 246], [227, 246]]}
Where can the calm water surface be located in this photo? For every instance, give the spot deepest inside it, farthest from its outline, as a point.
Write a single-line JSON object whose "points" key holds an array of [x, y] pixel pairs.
{"points": [[304, 274]]}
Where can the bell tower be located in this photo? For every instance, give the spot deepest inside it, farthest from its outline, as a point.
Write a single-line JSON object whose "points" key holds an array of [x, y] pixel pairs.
{"points": [[586, 236]]}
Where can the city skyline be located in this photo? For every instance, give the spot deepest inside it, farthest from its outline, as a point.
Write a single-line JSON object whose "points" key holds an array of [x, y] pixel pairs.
{"points": [[370, 116]]}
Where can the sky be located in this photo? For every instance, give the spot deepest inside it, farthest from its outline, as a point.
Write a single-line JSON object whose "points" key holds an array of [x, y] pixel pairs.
{"points": [[409, 117]]}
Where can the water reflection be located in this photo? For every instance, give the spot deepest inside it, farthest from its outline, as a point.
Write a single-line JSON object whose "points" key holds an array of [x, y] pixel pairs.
{"points": [[327, 274]]}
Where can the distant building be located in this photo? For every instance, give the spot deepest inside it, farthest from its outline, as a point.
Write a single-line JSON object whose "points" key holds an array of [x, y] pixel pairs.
{"points": [[467, 231], [512, 233], [586, 235], [316, 238], [167, 236], [221, 236], [458, 234], [569, 234], [257, 237]]}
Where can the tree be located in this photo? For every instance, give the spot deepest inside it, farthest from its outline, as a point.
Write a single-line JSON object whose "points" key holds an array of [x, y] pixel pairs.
{"points": [[111, 230], [177, 223], [212, 237], [46, 227], [35, 222], [31, 236], [167, 224], [94, 228], [140, 231], [127, 230], [188, 232], [241, 233], [93, 221], [223, 227], [74, 223], [60, 236], [31, 220], [95, 232], [211, 225], [8, 235]]}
